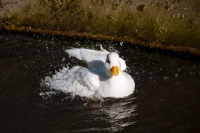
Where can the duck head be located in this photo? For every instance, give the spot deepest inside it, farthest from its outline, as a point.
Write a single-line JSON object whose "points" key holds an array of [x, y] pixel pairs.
{"points": [[112, 65]]}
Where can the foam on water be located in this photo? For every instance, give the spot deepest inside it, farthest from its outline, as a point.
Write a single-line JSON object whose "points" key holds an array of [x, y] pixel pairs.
{"points": [[56, 81]]}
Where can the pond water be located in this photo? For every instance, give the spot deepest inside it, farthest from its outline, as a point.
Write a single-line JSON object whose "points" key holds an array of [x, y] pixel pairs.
{"points": [[166, 97]]}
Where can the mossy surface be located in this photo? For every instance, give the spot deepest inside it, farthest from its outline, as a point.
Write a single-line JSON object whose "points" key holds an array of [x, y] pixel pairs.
{"points": [[167, 22]]}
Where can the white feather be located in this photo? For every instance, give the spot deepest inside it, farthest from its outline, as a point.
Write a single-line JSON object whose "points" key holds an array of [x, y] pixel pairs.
{"points": [[96, 81]]}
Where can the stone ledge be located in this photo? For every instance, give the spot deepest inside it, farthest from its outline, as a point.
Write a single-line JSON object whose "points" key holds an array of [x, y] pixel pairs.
{"points": [[152, 45]]}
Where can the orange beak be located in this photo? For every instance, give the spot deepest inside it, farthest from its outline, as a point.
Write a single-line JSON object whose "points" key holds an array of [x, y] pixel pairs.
{"points": [[115, 70]]}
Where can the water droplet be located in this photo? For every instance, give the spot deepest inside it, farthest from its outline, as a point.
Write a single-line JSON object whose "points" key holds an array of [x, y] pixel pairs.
{"points": [[166, 77]]}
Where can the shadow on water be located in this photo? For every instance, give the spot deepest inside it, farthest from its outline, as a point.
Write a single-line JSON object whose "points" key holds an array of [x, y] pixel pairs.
{"points": [[166, 97]]}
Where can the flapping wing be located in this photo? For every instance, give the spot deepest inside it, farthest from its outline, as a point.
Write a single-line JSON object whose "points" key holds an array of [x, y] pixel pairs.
{"points": [[93, 58]]}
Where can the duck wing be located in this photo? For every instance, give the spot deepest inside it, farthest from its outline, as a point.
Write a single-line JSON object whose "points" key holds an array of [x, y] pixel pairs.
{"points": [[93, 58], [78, 81]]}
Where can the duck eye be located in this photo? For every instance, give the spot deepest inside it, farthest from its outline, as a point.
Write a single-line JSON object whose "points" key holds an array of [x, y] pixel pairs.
{"points": [[108, 61]]}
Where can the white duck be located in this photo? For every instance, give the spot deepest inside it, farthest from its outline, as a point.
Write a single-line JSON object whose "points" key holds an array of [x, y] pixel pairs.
{"points": [[104, 76]]}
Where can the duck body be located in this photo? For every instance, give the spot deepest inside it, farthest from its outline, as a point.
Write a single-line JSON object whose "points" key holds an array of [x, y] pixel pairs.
{"points": [[118, 86], [104, 76]]}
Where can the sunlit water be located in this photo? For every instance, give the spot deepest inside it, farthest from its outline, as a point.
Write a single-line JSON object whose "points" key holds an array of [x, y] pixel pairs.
{"points": [[166, 97]]}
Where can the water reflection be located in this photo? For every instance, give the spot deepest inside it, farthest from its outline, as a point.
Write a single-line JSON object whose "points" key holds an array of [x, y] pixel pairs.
{"points": [[109, 115], [121, 114]]}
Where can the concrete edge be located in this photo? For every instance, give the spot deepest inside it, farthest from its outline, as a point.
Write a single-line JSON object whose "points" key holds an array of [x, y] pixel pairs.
{"points": [[151, 45]]}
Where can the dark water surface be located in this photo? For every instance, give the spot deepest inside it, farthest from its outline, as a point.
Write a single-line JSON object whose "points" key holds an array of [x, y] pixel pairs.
{"points": [[166, 97]]}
